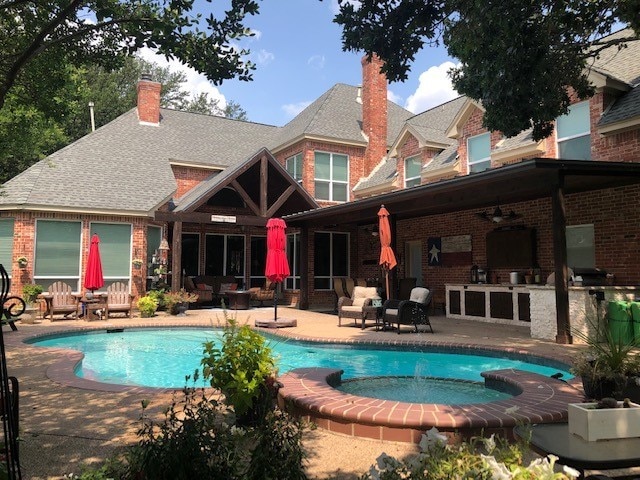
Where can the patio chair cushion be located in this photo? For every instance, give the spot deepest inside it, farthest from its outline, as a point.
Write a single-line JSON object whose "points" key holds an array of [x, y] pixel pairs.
{"points": [[419, 295], [360, 294], [204, 286]]}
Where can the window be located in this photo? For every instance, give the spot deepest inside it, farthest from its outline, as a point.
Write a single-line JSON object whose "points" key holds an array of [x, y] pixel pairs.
{"points": [[6, 243], [331, 176], [115, 251], [258, 261], [294, 166], [573, 133], [154, 237], [224, 255], [292, 282], [479, 153], [412, 168], [190, 258], [581, 252], [331, 258], [57, 256]]}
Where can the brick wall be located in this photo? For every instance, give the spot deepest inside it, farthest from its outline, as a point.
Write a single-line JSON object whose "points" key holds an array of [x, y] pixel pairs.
{"points": [[189, 177]]}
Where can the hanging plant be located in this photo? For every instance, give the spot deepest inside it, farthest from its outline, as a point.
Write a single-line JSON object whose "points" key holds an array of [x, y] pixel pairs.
{"points": [[22, 261]]}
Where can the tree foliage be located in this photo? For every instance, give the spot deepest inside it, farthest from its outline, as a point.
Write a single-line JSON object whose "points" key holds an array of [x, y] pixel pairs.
{"points": [[516, 57], [35, 36]]}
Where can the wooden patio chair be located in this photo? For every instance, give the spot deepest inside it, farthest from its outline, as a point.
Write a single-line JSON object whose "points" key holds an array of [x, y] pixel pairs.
{"points": [[60, 299], [119, 300]]}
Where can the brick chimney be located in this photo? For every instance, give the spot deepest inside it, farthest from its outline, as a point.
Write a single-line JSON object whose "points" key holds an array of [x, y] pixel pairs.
{"points": [[374, 112], [148, 100]]}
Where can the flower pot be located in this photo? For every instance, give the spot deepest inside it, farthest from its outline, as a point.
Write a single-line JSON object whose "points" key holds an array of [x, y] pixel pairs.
{"points": [[23, 264], [599, 388], [180, 309], [591, 423], [29, 315]]}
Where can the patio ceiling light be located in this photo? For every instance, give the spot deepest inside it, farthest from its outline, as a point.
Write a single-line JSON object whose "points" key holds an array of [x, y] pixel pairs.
{"points": [[497, 216]]}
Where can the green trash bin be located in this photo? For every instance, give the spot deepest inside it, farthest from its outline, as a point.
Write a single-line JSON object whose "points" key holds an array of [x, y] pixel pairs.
{"points": [[620, 325], [635, 318]]}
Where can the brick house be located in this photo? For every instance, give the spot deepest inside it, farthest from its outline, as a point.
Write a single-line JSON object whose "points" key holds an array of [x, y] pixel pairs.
{"points": [[208, 184]]}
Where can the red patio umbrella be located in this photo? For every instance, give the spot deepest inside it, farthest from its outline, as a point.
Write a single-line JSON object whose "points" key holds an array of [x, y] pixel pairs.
{"points": [[277, 266], [93, 278], [387, 257]]}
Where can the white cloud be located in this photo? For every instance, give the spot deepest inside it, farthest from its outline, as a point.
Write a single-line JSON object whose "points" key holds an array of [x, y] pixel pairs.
{"points": [[195, 84], [257, 34], [264, 57], [293, 109], [316, 62], [434, 88], [393, 97]]}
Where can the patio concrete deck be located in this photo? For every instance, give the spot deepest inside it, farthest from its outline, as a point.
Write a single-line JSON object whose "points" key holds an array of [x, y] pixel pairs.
{"points": [[64, 425]]}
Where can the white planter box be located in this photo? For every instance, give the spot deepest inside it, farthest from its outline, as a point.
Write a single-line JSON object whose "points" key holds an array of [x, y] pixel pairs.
{"points": [[591, 423]]}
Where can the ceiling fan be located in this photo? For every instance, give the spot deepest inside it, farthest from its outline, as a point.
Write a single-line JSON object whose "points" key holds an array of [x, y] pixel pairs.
{"points": [[497, 216]]}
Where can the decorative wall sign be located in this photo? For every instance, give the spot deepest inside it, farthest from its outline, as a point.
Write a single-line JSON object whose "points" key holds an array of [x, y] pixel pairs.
{"points": [[446, 251]]}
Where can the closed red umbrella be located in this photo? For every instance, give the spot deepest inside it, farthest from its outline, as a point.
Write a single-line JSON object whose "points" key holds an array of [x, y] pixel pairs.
{"points": [[387, 257], [93, 278], [277, 266]]}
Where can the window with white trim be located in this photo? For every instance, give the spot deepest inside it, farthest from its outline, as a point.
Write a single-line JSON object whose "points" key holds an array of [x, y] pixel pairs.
{"points": [[6, 243], [292, 282], [581, 250], [412, 169], [331, 176], [331, 258], [573, 133], [294, 167], [258, 261], [154, 237], [115, 251], [479, 152], [57, 255]]}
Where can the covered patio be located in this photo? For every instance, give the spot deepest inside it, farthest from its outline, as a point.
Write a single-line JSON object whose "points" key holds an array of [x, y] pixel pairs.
{"points": [[545, 184]]}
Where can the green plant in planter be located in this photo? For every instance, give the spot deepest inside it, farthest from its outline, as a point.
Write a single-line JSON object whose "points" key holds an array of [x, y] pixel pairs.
{"points": [[158, 296], [147, 306], [30, 293], [243, 368], [173, 299], [607, 365]]}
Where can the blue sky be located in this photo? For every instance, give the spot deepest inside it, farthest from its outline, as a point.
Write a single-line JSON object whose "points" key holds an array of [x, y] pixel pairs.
{"points": [[298, 53]]}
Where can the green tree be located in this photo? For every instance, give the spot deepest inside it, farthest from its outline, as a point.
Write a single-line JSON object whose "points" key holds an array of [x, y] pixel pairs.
{"points": [[34, 36], [517, 57]]}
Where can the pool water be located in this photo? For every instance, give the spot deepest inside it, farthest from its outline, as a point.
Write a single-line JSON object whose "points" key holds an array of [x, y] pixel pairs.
{"points": [[423, 390], [164, 357]]}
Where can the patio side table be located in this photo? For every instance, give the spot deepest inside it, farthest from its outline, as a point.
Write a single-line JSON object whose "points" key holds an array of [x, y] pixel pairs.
{"points": [[574, 451], [239, 299]]}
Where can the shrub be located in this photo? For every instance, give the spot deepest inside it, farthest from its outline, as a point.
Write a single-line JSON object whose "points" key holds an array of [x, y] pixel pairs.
{"points": [[479, 459], [30, 292], [242, 368], [158, 296], [172, 299], [147, 306]]}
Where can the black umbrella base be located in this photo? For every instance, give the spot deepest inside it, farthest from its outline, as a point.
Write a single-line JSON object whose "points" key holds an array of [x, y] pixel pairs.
{"points": [[280, 323]]}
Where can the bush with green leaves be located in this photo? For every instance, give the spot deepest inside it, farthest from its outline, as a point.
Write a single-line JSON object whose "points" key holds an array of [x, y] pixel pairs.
{"points": [[147, 306], [195, 440], [242, 368], [479, 459], [30, 292], [158, 296]]}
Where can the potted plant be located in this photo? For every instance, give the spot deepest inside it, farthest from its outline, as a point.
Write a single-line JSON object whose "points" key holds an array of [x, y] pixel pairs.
{"points": [[30, 292], [22, 261], [177, 303], [137, 263], [608, 366], [605, 419]]}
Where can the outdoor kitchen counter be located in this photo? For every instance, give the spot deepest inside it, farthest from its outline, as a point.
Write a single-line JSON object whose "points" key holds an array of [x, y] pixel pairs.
{"points": [[534, 305], [489, 302]]}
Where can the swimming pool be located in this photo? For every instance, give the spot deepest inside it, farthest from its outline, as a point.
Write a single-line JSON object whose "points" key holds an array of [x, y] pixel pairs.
{"points": [[163, 357]]}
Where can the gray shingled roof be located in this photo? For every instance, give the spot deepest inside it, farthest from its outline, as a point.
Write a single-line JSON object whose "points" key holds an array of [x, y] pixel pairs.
{"points": [[125, 166], [444, 158], [337, 114], [386, 171], [521, 139], [621, 64], [433, 123], [624, 108]]}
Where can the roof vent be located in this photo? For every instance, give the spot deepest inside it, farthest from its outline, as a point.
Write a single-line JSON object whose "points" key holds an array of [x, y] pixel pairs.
{"points": [[359, 95], [146, 76]]}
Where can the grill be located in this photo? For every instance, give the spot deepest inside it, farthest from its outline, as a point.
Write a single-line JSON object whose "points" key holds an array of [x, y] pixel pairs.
{"points": [[591, 276]]}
